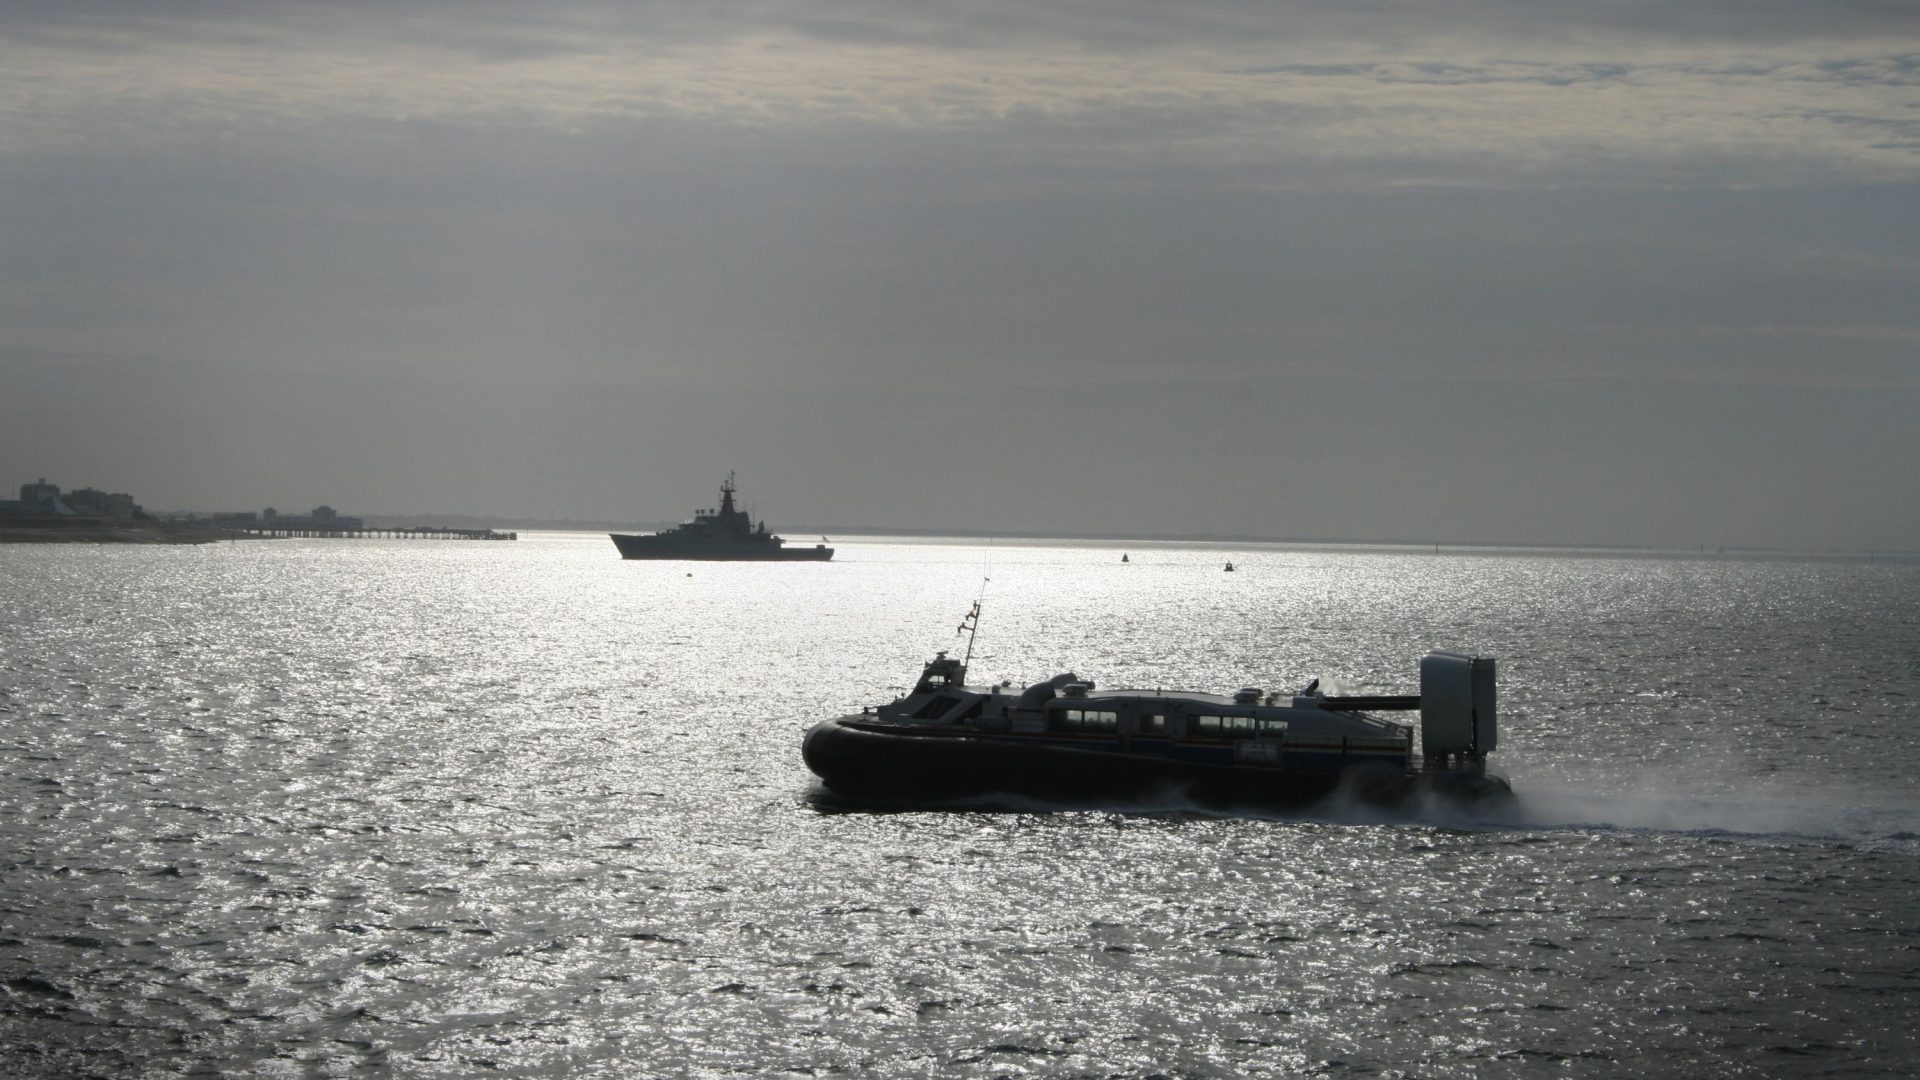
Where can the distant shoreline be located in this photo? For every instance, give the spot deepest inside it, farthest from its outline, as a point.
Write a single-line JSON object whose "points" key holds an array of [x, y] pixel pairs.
{"points": [[137, 533], [156, 532]]}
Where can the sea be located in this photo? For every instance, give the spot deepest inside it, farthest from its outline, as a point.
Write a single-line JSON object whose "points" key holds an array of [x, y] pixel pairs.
{"points": [[441, 808]]}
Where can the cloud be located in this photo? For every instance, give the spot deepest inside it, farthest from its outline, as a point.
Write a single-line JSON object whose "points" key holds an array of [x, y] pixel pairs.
{"points": [[1308, 95], [1271, 242]]}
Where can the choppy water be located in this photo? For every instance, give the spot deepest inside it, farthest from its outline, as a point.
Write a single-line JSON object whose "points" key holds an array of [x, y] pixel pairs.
{"points": [[342, 808]]}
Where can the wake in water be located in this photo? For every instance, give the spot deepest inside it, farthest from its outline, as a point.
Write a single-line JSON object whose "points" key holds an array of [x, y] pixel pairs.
{"points": [[1789, 816]]}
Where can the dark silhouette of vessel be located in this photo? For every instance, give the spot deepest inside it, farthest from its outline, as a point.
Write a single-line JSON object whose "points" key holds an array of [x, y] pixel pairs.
{"points": [[726, 534], [1065, 739]]}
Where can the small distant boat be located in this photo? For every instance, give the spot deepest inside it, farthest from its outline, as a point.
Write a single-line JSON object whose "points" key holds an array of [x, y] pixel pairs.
{"points": [[1064, 739], [1123, 556], [727, 534], [1229, 568]]}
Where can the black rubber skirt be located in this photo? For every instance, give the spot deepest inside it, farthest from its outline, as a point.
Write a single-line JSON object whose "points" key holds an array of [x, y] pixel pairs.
{"points": [[870, 761]]}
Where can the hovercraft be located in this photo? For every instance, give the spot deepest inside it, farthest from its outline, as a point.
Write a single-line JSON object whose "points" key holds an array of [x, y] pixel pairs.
{"points": [[1065, 739]]}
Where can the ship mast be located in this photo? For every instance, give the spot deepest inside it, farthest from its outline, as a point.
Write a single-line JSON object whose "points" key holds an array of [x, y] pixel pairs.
{"points": [[970, 626]]}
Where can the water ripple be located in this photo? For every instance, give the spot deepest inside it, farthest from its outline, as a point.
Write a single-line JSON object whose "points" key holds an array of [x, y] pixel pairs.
{"points": [[318, 809]]}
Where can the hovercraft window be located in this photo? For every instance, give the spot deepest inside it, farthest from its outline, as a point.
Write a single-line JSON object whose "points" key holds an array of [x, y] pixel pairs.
{"points": [[1232, 727], [1153, 724], [1085, 720]]}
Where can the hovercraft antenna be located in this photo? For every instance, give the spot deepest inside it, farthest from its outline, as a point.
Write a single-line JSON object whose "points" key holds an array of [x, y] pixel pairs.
{"points": [[970, 625]]}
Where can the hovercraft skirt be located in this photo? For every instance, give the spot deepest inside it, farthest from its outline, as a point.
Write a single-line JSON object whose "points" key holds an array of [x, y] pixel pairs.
{"points": [[867, 760]]}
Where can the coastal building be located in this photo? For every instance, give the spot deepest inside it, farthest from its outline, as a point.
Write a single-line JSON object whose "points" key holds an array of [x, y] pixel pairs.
{"points": [[42, 499], [91, 502], [40, 495], [321, 519]]}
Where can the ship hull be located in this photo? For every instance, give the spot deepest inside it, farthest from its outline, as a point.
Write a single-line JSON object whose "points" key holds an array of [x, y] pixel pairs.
{"points": [[655, 546], [871, 762]]}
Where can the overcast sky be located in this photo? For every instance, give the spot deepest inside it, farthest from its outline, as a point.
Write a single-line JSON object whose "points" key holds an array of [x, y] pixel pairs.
{"points": [[1611, 273]]}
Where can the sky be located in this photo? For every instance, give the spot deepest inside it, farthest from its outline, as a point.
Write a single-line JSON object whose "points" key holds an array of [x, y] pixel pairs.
{"points": [[1635, 272]]}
